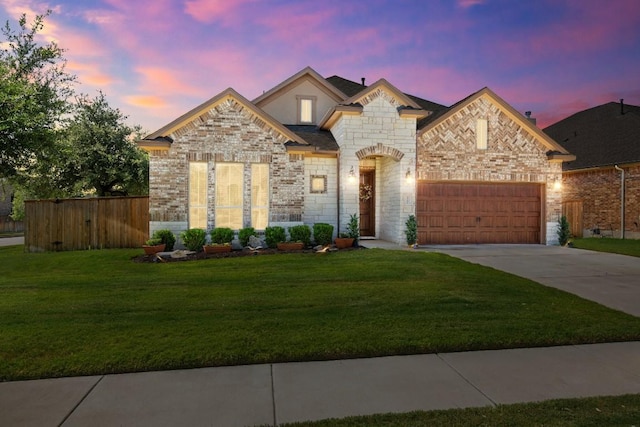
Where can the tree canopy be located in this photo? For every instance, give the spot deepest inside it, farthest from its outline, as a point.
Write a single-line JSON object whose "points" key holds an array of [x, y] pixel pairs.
{"points": [[55, 144], [34, 93]]}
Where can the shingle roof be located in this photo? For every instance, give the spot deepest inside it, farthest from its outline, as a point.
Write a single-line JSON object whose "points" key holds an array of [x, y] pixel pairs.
{"points": [[600, 136], [321, 139], [350, 88]]}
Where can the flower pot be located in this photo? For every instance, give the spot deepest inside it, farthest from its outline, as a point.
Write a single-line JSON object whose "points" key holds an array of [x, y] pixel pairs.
{"points": [[290, 246], [153, 249], [344, 242], [216, 249]]}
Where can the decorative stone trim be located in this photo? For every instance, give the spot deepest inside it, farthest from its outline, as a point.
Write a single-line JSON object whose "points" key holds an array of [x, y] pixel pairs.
{"points": [[380, 150]]}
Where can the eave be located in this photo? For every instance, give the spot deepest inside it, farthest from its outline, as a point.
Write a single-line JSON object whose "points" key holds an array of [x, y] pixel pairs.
{"points": [[335, 113]]}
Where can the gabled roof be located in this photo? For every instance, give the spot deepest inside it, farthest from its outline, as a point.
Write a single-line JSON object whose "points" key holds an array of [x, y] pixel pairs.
{"points": [[352, 105], [309, 74], [351, 88], [600, 136], [160, 139], [555, 151]]}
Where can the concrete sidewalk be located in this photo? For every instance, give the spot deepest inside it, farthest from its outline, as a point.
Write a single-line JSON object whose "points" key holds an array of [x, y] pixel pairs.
{"points": [[279, 393]]}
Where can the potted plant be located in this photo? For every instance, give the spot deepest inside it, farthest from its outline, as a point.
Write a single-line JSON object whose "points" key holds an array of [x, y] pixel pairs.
{"points": [[153, 246], [194, 239], [300, 233], [221, 238], [351, 236], [167, 237]]}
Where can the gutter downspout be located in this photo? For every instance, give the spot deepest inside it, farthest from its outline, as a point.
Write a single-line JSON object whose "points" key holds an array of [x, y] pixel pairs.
{"points": [[621, 200]]}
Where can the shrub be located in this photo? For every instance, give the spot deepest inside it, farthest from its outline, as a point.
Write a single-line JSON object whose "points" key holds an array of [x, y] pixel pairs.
{"points": [[322, 233], [300, 233], [274, 235], [564, 232], [244, 234], [353, 228], [165, 236], [411, 231], [194, 239], [221, 235]]}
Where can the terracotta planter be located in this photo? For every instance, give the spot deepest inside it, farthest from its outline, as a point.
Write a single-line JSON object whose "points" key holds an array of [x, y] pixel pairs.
{"points": [[152, 250], [216, 249], [290, 246], [344, 242]]}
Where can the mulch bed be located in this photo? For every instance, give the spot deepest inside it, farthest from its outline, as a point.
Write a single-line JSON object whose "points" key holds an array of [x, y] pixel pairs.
{"points": [[233, 254]]}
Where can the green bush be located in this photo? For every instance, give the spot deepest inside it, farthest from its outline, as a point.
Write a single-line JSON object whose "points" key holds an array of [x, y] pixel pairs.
{"points": [[322, 233], [353, 229], [274, 235], [165, 236], [564, 231], [245, 234], [411, 231], [194, 239], [300, 233], [221, 235]]}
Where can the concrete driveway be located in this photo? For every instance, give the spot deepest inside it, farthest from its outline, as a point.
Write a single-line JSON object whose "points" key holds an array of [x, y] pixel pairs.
{"points": [[609, 279]]}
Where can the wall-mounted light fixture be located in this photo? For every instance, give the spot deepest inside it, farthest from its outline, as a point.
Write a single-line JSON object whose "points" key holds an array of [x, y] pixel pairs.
{"points": [[408, 177], [352, 176], [557, 184]]}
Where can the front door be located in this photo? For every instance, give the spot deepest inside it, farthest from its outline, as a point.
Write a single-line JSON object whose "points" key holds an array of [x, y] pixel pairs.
{"points": [[367, 202]]}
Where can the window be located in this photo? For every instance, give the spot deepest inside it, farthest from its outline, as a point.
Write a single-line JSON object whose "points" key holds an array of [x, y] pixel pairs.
{"points": [[260, 195], [481, 134], [229, 191], [306, 109], [318, 184], [198, 195]]}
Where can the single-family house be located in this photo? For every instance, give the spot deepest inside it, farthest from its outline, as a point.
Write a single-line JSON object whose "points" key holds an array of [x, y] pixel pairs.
{"points": [[315, 149], [601, 187]]}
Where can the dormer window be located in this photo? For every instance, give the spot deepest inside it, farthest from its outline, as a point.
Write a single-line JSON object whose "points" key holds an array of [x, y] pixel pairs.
{"points": [[306, 110]]}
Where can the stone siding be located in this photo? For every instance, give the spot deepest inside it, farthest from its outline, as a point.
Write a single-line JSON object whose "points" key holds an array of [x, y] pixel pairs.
{"points": [[321, 207], [380, 133], [599, 192], [448, 152]]}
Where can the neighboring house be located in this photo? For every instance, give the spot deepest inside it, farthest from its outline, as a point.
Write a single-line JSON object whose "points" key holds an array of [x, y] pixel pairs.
{"points": [[319, 150], [602, 138]]}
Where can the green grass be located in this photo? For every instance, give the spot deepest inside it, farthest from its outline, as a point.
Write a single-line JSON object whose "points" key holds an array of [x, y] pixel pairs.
{"points": [[596, 412], [97, 312], [616, 246]]}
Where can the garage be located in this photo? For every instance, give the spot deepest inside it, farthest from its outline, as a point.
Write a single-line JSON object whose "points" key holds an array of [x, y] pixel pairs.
{"points": [[472, 213]]}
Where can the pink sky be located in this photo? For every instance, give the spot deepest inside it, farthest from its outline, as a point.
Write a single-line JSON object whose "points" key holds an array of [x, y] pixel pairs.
{"points": [[157, 59]]}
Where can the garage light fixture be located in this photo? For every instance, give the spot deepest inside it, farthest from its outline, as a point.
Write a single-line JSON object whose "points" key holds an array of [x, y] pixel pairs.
{"points": [[557, 184]]}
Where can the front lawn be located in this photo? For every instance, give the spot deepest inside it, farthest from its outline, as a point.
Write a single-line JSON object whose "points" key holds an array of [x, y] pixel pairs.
{"points": [[97, 312], [616, 246]]}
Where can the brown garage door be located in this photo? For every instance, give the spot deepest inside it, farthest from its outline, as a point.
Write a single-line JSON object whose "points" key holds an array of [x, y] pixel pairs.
{"points": [[468, 213]]}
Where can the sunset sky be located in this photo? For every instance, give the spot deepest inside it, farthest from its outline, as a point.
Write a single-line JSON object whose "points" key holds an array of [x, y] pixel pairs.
{"points": [[157, 59]]}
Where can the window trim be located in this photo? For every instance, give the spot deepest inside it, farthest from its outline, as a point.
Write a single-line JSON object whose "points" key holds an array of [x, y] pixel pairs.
{"points": [[482, 134], [318, 178], [299, 99]]}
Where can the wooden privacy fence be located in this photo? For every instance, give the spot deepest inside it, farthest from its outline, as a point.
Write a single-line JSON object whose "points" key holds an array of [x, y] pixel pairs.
{"points": [[9, 226], [95, 223], [572, 209]]}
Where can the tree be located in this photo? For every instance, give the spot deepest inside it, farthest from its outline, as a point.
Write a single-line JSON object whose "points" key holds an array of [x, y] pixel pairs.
{"points": [[102, 155], [34, 92]]}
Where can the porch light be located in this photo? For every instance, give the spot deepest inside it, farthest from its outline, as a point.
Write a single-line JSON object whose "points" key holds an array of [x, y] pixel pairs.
{"points": [[557, 184], [408, 177], [352, 176]]}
